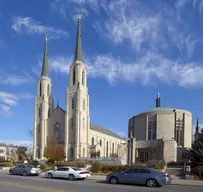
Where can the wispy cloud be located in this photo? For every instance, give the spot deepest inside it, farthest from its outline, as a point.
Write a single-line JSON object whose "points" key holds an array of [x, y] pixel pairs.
{"points": [[62, 7], [14, 80], [32, 27], [149, 69], [8, 100]]}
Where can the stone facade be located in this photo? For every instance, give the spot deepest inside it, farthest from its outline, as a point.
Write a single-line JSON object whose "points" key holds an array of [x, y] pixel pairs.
{"points": [[71, 127], [160, 134]]}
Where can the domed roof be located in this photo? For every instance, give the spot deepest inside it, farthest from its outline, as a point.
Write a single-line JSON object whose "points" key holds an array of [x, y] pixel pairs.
{"points": [[159, 109]]}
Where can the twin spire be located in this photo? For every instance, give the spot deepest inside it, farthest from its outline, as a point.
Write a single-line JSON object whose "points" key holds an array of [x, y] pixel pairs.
{"points": [[78, 49]]}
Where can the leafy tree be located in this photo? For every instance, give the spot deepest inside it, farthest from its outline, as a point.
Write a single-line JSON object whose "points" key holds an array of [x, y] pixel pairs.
{"points": [[54, 151], [196, 152], [50, 149], [59, 153]]}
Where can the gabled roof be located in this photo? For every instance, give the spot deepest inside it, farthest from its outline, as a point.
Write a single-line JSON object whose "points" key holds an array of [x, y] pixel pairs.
{"points": [[105, 131]]}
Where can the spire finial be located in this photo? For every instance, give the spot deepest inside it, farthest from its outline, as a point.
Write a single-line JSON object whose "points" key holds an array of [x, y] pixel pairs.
{"points": [[158, 99], [79, 15], [46, 37], [45, 58]]}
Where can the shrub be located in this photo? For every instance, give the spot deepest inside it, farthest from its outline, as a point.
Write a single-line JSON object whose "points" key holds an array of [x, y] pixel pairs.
{"points": [[34, 162], [198, 171], [43, 166], [8, 164], [79, 163], [96, 166], [50, 162]]}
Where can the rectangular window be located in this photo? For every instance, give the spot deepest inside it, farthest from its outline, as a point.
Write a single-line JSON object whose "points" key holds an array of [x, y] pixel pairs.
{"points": [[72, 123], [150, 130], [72, 103], [83, 104], [154, 130]]}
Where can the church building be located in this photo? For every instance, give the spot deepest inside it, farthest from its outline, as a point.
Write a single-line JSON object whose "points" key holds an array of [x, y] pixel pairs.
{"points": [[71, 127]]}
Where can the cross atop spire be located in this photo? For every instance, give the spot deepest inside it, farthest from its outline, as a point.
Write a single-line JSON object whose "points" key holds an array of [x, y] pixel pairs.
{"points": [[78, 46], [45, 58]]}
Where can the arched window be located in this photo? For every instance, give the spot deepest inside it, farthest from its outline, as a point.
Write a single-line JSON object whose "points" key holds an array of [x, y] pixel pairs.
{"points": [[83, 152], [74, 75], [71, 152], [40, 89], [57, 132], [107, 148], [112, 147], [83, 123], [92, 141], [49, 112], [83, 78], [100, 142], [72, 103], [48, 89]]}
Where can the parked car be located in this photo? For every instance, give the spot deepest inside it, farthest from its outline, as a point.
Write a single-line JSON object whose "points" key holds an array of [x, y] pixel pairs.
{"points": [[143, 176], [70, 173], [25, 170]]}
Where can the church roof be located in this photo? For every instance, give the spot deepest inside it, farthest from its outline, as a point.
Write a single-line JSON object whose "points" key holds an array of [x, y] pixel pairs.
{"points": [[105, 131]]}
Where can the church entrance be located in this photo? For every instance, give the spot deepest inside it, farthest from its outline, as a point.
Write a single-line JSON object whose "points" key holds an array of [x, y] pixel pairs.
{"points": [[144, 155]]}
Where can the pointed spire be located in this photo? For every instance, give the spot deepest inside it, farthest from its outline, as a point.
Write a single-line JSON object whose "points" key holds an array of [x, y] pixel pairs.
{"points": [[158, 100], [78, 46], [197, 126], [45, 59]]}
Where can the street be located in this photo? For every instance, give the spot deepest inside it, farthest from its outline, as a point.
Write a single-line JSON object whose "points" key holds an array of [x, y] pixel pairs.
{"points": [[10, 183]]}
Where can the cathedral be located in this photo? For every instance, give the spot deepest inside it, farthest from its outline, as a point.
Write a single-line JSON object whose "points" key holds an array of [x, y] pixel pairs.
{"points": [[71, 127]]}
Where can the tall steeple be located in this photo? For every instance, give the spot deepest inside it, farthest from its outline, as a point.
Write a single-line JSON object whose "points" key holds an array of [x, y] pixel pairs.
{"points": [[158, 100], [78, 46], [197, 126], [45, 59]]}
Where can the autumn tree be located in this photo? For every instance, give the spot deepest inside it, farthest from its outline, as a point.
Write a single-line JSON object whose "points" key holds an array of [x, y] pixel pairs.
{"points": [[54, 151], [50, 149], [59, 153]]}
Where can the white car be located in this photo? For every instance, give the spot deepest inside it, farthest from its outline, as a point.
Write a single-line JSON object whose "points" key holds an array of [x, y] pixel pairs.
{"points": [[70, 173]]}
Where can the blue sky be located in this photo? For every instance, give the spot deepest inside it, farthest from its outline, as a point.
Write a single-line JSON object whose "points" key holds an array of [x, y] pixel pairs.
{"points": [[130, 48]]}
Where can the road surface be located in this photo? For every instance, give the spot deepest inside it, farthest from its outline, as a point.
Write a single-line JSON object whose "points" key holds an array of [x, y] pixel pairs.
{"points": [[10, 183]]}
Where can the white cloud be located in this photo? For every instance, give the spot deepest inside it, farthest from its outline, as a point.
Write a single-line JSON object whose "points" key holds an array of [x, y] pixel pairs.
{"points": [[5, 109], [30, 26], [14, 80], [63, 8], [148, 69], [8, 100]]}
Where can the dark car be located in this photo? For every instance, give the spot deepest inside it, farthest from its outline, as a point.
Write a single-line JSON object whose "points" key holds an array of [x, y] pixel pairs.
{"points": [[142, 176], [25, 170]]}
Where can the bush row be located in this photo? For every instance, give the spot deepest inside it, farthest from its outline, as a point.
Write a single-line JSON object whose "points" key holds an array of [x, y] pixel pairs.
{"points": [[103, 168]]}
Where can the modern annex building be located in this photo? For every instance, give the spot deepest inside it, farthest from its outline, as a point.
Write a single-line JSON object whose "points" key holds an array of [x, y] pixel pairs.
{"points": [[160, 133], [71, 127]]}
